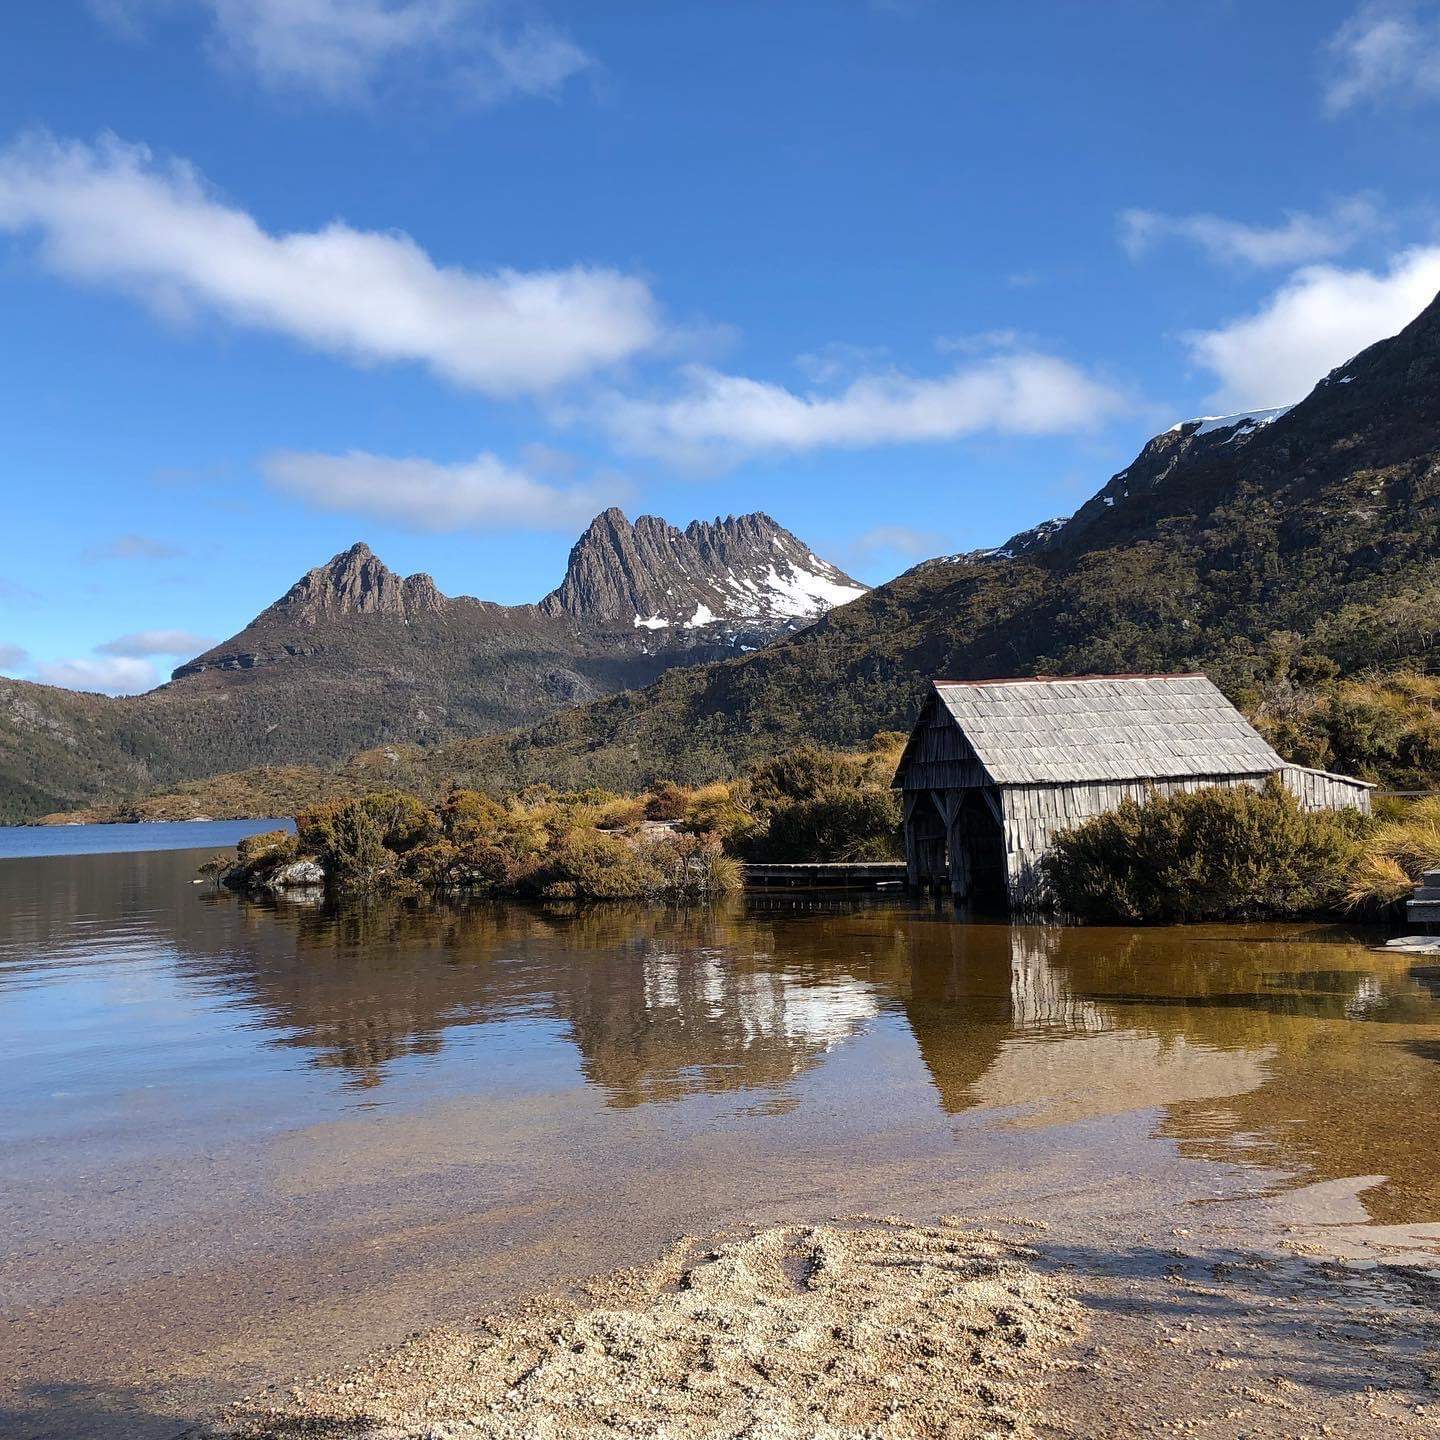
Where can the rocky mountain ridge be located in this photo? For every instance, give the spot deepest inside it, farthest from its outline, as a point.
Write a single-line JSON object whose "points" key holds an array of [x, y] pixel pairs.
{"points": [[354, 655], [734, 584], [357, 582], [743, 571], [1184, 443]]}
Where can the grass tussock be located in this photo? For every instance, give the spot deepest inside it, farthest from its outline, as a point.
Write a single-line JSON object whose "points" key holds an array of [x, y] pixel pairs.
{"points": [[1402, 843]]}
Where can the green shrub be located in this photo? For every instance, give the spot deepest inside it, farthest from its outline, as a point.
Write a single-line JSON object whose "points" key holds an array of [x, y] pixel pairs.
{"points": [[802, 774], [348, 841], [606, 867], [843, 825], [667, 801], [1216, 854], [721, 811], [468, 815], [356, 841], [812, 804], [619, 812], [274, 847], [432, 866]]}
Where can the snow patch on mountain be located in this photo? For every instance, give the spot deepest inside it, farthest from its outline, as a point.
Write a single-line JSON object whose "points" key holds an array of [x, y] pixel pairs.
{"points": [[1245, 419], [740, 580]]}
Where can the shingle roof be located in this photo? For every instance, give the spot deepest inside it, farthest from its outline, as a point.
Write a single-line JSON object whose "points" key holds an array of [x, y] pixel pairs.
{"points": [[1105, 727]]}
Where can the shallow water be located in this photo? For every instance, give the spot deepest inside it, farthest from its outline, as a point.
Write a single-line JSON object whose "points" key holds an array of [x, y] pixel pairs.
{"points": [[248, 1124]]}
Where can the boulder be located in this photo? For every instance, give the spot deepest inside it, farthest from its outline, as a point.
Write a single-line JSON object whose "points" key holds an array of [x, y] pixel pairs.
{"points": [[297, 875]]}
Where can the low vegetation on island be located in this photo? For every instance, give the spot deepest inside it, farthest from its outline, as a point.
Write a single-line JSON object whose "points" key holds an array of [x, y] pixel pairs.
{"points": [[1216, 854], [671, 842]]}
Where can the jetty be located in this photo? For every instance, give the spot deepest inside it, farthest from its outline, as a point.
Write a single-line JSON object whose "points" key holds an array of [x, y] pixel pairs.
{"points": [[833, 875], [1423, 908]]}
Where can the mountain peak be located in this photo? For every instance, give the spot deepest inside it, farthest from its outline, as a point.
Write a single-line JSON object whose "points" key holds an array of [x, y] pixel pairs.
{"points": [[742, 571], [358, 582]]}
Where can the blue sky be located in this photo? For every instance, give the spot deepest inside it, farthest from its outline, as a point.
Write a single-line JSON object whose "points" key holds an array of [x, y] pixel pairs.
{"points": [[452, 275]]}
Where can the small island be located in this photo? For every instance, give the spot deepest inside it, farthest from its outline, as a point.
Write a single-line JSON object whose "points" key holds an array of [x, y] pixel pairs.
{"points": [[669, 843]]}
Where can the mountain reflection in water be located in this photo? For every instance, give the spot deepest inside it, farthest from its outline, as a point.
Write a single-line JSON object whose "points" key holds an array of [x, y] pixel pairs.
{"points": [[1297, 1049]]}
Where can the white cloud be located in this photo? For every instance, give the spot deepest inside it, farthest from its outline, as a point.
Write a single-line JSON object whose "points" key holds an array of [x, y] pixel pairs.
{"points": [[109, 214], [1319, 318], [134, 547], [1385, 51], [900, 538], [980, 342], [117, 676], [719, 415], [155, 642], [13, 657], [1302, 237], [340, 49], [14, 593], [839, 360], [480, 494], [894, 540]]}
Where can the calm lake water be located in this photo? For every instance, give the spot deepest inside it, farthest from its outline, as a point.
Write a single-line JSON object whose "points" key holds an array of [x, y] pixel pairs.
{"points": [[27, 840], [235, 1137]]}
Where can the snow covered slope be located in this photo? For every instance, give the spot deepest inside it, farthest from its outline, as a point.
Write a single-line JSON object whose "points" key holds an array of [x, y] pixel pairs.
{"points": [[743, 573]]}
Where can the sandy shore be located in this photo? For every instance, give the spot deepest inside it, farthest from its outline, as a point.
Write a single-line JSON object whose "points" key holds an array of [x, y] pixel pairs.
{"points": [[873, 1328], [868, 1329]]}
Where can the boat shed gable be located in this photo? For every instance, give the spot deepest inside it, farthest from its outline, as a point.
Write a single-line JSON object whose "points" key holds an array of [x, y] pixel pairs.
{"points": [[938, 755], [1085, 730]]}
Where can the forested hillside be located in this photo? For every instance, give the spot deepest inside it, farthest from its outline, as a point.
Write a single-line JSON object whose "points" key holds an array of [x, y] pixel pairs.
{"points": [[1291, 555], [1275, 555]]}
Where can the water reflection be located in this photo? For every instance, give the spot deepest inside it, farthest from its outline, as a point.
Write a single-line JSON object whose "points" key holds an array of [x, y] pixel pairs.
{"points": [[1301, 1050]]}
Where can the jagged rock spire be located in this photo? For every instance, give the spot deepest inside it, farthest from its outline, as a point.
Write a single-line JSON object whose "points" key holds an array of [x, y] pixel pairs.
{"points": [[739, 570], [357, 582]]}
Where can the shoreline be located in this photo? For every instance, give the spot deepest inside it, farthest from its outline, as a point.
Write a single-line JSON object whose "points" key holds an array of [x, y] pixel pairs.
{"points": [[848, 1324], [1203, 1293], [372, 1124]]}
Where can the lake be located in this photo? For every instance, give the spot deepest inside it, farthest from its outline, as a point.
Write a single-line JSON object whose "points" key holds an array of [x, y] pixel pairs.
{"points": [[34, 840], [241, 1140]]}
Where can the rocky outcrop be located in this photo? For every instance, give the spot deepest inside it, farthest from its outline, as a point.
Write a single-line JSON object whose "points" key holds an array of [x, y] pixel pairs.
{"points": [[297, 875], [357, 582], [743, 571]]}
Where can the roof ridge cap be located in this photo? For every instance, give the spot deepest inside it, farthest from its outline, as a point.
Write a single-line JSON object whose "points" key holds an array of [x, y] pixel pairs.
{"points": [[1077, 679]]}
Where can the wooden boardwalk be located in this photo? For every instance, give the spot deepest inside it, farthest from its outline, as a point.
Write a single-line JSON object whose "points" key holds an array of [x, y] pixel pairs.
{"points": [[856, 875]]}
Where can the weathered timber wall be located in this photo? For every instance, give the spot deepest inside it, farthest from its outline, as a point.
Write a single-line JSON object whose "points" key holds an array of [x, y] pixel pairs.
{"points": [[1035, 814], [1320, 790], [938, 756]]}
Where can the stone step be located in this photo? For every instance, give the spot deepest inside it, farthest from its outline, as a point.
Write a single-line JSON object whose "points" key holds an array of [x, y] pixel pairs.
{"points": [[1425, 910], [1427, 892], [1430, 877]]}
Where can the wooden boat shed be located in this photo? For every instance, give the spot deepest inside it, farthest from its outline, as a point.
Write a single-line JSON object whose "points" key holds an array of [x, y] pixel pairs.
{"points": [[995, 768]]}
